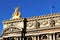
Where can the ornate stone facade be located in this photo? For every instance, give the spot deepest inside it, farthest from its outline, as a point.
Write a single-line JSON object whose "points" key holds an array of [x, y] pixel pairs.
{"points": [[38, 28]]}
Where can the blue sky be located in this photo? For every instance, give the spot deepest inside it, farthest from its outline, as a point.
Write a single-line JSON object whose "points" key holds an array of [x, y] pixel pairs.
{"points": [[28, 8]]}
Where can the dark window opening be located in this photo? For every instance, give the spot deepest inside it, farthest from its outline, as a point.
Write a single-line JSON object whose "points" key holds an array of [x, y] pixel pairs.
{"points": [[44, 37], [29, 38], [59, 35]]}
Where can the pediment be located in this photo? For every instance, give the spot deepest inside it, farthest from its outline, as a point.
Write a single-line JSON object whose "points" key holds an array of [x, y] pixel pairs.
{"points": [[11, 30]]}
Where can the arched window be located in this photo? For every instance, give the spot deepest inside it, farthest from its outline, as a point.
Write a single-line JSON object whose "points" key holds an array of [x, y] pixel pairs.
{"points": [[29, 38], [59, 35], [44, 37], [12, 38]]}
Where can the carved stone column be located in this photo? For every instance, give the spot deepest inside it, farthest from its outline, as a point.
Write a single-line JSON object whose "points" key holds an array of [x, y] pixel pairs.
{"points": [[54, 37], [34, 37], [15, 38], [38, 37], [20, 38], [50, 36]]}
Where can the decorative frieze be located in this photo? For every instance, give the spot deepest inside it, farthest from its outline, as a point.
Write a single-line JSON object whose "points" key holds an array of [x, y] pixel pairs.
{"points": [[35, 26]]}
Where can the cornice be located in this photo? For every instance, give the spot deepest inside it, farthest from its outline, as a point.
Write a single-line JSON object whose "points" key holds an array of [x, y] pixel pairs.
{"points": [[44, 17], [12, 20]]}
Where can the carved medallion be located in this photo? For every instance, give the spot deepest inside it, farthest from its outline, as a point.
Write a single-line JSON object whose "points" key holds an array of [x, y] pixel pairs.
{"points": [[29, 24], [44, 22]]}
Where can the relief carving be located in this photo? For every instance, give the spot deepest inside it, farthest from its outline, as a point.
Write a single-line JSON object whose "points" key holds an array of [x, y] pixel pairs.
{"points": [[52, 22], [44, 22], [58, 20], [29, 24], [12, 29], [37, 24]]}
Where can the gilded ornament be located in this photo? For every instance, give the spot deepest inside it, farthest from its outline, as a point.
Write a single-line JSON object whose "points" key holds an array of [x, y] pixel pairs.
{"points": [[16, 14]]}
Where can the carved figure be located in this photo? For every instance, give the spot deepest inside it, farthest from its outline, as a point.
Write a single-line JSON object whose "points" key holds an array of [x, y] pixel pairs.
{"points": [[52, 22], [37, 24], [30, 24], [44, 22]]}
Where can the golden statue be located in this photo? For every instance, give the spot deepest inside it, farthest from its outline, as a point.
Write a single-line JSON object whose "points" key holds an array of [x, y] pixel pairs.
{"points": [[16, 14]]}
